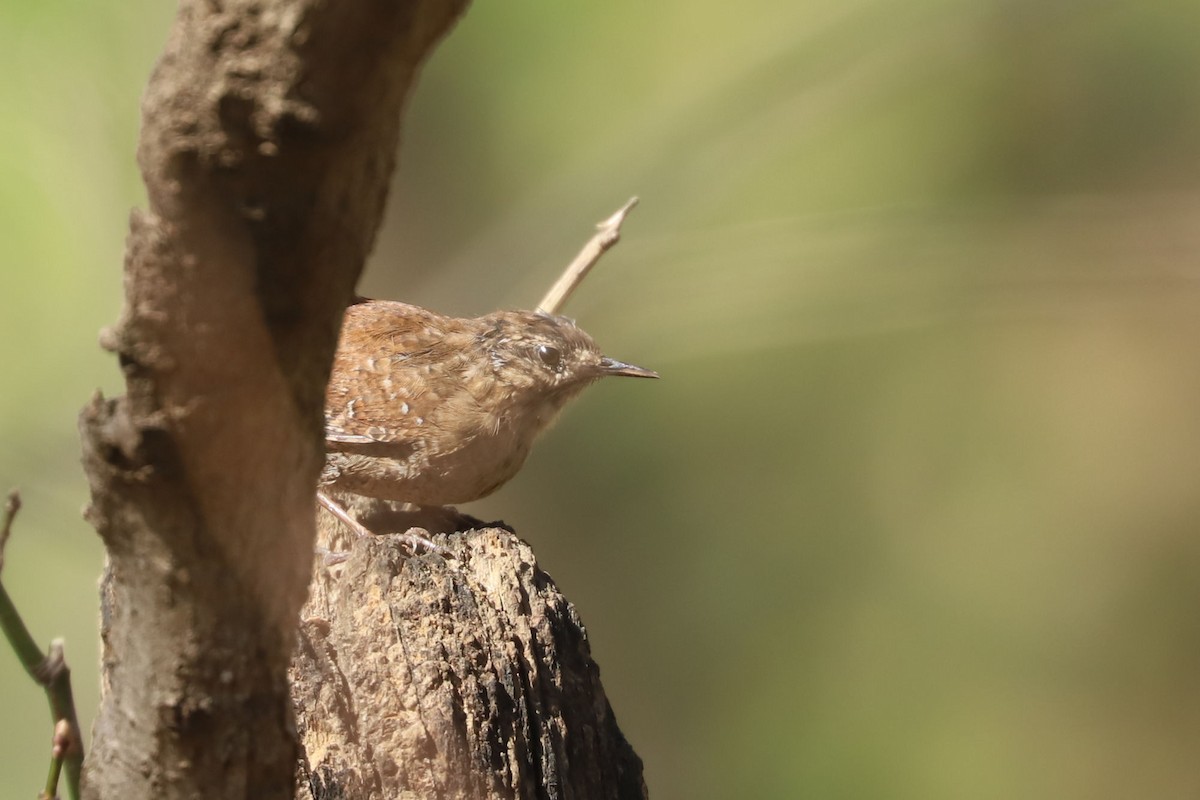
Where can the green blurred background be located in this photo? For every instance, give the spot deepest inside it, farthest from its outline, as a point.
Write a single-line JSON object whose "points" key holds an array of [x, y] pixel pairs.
{"points": [[912, 513]]}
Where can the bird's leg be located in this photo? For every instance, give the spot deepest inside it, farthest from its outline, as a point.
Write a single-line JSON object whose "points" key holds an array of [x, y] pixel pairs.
{"points": [[342, 514], [415, 541]]}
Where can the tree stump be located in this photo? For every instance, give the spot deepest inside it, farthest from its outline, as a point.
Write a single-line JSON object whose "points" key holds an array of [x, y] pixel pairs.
{"points": [[465, 675]]}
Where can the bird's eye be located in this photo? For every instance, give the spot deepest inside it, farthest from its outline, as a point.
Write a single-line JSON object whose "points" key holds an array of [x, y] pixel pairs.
{"points": [[550, 356]]}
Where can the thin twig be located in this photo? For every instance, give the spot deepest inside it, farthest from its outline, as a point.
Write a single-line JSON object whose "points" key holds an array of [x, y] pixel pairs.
{"points": [[60, 747], [49, 670], [11, 506], [607, 234]]}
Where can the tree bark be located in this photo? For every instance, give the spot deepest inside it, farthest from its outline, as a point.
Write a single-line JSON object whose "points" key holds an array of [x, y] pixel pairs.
{"points": [[465, 675], [269, 133]]}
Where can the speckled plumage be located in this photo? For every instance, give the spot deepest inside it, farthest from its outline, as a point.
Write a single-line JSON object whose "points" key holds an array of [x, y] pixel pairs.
{"points": [[435, 410]]}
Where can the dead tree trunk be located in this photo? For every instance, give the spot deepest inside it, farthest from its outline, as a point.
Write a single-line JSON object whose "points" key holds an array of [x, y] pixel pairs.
{"points": [[269, 133]]}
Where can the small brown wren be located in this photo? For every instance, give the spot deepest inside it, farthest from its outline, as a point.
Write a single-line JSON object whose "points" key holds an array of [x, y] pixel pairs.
{"points": [[436, 410], [433, 410]]}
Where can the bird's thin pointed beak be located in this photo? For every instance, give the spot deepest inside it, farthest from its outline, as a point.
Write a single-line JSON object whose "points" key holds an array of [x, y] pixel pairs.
{"points": [[610, 366]]}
